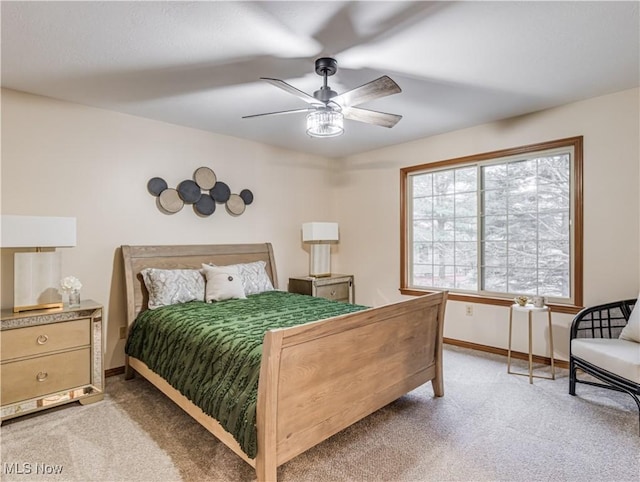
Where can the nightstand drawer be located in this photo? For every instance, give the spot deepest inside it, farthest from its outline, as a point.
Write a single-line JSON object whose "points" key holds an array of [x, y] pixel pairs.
{"points": [[36, 340], [336, 292], [38, 376]]}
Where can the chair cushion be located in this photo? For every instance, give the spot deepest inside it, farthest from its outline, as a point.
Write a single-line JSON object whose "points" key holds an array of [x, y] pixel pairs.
{"points": [[615, 355]]}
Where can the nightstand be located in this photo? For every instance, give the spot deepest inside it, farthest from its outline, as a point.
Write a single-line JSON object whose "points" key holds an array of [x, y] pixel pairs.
{"points": [[50, 357], [337, 287]]}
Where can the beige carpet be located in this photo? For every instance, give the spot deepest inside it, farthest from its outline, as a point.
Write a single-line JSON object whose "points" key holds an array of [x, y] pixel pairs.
{"points": [[488, 426]]}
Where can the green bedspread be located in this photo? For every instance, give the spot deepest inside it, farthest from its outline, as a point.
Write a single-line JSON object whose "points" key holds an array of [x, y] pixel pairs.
{"points": [[211, 352]]}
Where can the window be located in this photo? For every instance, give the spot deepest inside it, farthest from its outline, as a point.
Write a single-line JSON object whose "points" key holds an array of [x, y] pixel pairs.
{"points": [[496, 225]]}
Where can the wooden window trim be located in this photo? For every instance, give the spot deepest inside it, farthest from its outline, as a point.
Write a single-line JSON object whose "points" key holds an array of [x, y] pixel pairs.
{"points": [[577, 144]]}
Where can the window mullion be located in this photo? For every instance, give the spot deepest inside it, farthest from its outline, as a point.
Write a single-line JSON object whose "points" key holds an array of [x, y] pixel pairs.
{"points": [[480, 229]]}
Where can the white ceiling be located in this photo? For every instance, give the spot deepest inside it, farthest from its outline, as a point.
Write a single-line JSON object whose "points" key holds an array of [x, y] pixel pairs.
{"points": [[198, 64]]}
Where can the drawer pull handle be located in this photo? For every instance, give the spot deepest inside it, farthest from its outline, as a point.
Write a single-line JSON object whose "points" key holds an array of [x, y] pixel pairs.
{"points": [[42, 376], [42, 339]]}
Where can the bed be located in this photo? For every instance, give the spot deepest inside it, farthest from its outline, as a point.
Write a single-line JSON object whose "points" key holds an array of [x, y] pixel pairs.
{"points": [[305, 392]]}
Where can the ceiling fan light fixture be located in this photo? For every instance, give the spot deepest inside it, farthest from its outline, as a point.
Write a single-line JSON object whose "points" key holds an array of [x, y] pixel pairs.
{"points": [[325, 123]]}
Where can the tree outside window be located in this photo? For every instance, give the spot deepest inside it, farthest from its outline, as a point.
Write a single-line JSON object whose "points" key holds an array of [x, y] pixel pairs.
{"points": [[497, 224]]}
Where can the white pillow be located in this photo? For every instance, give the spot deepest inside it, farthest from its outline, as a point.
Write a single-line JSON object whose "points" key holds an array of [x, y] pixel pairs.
{"points": [[223, 283], [171, 286], [254, 277], [631, 332]]}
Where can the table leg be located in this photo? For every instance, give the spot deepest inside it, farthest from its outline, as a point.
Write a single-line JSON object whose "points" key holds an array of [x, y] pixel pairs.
{"points": [[553, 369], [530, 351], [509, 351]]}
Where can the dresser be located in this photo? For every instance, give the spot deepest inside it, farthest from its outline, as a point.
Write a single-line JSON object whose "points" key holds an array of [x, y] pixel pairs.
{"points": [[50, 357], [337, 287]]}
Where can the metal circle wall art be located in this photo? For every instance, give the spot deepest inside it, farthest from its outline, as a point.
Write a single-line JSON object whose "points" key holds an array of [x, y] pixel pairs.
{"points": [[156, 185], [205, 206], [205, 178], [189, 191], [203, 192], [235, 205], [170, 201], [247, 196], [220, 192]]}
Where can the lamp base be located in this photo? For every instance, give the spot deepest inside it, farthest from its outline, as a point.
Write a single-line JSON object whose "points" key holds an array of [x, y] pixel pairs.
{"points": [[320, 260], [36, 277]]}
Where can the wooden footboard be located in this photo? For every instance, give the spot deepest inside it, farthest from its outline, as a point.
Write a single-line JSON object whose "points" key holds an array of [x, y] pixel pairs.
{"points": [[319, 378]]}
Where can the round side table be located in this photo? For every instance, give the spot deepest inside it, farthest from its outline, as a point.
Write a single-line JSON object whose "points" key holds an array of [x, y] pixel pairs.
{"points": [[530, 309]]}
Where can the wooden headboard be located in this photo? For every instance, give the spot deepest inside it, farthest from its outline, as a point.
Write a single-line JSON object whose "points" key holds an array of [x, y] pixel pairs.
{"points": [[137, 258]]}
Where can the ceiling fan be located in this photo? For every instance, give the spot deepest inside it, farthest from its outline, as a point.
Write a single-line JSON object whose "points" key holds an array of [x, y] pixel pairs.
{"points": [[327, 109]]}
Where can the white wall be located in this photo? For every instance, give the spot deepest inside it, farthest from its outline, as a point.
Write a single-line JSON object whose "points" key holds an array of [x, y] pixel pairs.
{"points": [[64, 159], [370, 183]]}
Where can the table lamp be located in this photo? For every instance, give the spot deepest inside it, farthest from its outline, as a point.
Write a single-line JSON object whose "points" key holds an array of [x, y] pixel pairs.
{"points": [[36, 274], [320, 235]]}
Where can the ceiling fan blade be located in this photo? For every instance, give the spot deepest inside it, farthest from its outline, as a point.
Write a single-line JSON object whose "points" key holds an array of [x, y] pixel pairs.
{"points": [[294, 111], [371, 116], [375, 89], [292, 90]]}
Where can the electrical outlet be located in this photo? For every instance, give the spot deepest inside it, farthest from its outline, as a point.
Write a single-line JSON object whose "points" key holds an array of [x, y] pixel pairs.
{"points": [[123, 332], [468, 310]]}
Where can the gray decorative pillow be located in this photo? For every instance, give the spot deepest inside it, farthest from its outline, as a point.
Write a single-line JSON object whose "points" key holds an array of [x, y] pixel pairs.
{"points": [[172, 286], [254, 277]]}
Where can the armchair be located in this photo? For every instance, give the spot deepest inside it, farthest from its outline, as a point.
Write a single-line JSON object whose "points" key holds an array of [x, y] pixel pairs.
{"points": [[597, 350]]}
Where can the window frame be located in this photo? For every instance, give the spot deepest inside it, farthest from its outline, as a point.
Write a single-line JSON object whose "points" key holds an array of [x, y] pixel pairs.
{"points": [[576, 189]]}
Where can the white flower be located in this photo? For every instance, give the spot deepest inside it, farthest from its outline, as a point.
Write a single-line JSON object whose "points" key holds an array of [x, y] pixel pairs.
{"points": [[69, 284]]}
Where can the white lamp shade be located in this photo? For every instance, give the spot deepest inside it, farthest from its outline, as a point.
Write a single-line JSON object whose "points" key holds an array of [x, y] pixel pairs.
{"points": [[37, 231], [318, 232]]}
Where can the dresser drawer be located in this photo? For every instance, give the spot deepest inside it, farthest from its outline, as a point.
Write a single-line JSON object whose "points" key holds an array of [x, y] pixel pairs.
{"points": [[36, 340], [336, 292], [39, 376]]}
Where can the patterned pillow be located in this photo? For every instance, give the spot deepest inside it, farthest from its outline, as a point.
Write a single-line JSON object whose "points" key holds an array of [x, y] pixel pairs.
{"points": [[223, 283], [172, 286], [254, 277]]}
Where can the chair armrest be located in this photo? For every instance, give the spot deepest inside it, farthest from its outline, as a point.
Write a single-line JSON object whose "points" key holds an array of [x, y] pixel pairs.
{"points": [[602, 321]]}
